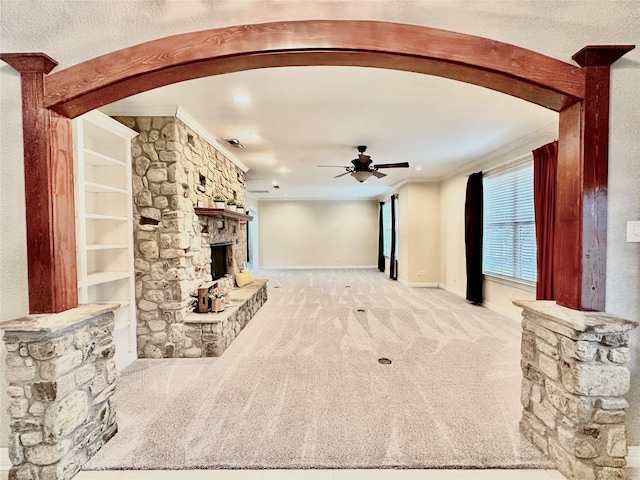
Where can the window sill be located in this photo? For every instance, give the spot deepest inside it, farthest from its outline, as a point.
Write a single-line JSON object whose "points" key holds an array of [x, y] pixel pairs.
{"points": [[511, 282]]}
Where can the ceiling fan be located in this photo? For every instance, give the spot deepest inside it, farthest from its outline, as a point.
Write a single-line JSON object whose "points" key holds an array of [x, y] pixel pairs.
{"points": [[363, 168]]}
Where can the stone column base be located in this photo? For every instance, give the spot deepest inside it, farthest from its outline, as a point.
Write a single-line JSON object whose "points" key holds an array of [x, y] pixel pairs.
{"points": [[61, 377], [574, 378]]}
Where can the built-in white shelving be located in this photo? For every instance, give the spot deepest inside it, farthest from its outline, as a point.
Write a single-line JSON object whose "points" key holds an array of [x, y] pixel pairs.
{"points": [[104, 223]]}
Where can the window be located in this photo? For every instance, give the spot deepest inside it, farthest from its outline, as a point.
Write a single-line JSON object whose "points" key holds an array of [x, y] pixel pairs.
{"points": [[509, 238], [386, 228]]}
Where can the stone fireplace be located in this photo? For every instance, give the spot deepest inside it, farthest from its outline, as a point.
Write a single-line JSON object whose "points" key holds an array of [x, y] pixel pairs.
{"points": [[175, 170]]}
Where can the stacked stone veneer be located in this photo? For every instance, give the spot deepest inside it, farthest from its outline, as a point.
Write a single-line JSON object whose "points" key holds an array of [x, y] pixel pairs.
{"points": [[61, 377], [175, 170], [574, 379]]}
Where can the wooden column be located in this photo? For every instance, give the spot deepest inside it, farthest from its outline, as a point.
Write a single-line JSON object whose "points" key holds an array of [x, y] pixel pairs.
{"points": [[581, 212], [48, 174]]}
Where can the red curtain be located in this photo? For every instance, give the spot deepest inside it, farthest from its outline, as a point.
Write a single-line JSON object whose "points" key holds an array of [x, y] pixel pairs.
{"points": [[545, 165]]}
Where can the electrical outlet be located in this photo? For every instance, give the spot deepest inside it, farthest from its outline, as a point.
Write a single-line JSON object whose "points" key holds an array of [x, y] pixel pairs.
{"points": [[633, 231]]}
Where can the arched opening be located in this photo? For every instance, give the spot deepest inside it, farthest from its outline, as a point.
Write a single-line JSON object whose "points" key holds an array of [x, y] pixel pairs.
{"points": [[480, 61], [579, 94]]}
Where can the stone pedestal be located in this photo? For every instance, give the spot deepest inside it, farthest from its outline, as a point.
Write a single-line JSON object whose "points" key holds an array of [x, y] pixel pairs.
{"points": [[61, 377], [574, 379]]}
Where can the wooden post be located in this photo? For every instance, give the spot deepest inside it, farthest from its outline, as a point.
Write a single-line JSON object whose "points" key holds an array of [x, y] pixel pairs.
{"points": [[48, 176], [581, 212]]}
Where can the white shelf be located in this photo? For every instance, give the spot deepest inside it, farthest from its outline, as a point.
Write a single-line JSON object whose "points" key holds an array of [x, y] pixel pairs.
{"points": [[100, 188], [110, 246], [97, 159], [123, 303], [105, 277], [104, 226], [99, 216]]}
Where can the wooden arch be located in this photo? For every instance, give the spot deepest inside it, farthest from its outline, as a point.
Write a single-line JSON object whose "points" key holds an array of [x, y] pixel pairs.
{"points": [[577, 93]]}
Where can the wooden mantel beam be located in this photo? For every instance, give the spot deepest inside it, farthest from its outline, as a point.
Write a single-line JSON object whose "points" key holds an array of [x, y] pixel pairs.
{"points": [[581, 211], [48, 177]]}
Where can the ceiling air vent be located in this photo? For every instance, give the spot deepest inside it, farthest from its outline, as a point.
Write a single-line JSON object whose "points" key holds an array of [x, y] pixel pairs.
{"points": [[258, 191], [234, 142]]}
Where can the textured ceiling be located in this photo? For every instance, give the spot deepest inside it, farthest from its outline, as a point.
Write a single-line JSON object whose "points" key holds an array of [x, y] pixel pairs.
{"points": [[302, 117]]}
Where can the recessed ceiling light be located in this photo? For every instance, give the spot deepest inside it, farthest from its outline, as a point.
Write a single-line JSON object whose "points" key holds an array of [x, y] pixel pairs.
{"points": [[241, 99], [234, 142], [283, 170], [418, 169]]}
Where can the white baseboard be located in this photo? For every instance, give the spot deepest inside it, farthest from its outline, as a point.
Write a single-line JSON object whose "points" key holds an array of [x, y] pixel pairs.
{"points": [[459, 293], [491, 306], [633, 457], [419, 284], [517, 316], [314, 267], [5, 463], [122, 363]]}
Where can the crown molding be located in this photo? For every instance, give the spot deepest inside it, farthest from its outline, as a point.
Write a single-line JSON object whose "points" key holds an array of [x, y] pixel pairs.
{"points": [[182, 115], [486, 160], [395, 188]]}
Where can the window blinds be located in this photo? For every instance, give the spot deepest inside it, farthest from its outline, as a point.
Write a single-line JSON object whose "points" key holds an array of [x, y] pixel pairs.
{"points": [[509, 244]]}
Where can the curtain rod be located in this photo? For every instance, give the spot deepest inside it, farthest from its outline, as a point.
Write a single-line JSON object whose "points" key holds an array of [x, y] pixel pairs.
{"points": [[514, 162]]}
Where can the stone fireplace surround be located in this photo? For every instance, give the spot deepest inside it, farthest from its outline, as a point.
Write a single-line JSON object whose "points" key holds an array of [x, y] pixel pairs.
{"points": [[175, 169]]}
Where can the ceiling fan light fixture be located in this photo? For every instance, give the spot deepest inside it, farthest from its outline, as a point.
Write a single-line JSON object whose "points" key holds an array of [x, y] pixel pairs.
{"points": [[361, 176]]}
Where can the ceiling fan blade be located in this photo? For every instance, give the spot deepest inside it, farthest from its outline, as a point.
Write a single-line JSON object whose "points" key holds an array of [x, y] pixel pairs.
{"points": [[342, 174], [392, 165], [378, 174], [332, 166]]}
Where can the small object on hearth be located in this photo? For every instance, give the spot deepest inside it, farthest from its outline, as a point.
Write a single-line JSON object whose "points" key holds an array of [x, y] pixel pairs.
{"points": [[218, 305], [203, 297]]}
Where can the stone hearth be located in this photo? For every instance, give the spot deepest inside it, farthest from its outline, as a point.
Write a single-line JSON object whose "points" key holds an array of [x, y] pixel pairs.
{"points": [[210, 334]]}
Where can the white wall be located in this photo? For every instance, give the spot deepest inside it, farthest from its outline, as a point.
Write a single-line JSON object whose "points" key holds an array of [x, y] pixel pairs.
{"points": [[14, 302], [419, 232], [318, 233]]}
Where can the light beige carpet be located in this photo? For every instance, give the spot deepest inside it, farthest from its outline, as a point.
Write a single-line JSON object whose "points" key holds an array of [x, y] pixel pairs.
{"points": [[301, 387]]}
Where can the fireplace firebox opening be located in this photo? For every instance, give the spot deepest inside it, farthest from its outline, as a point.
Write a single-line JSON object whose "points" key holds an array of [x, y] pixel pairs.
{"points": [[219, 255]]}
